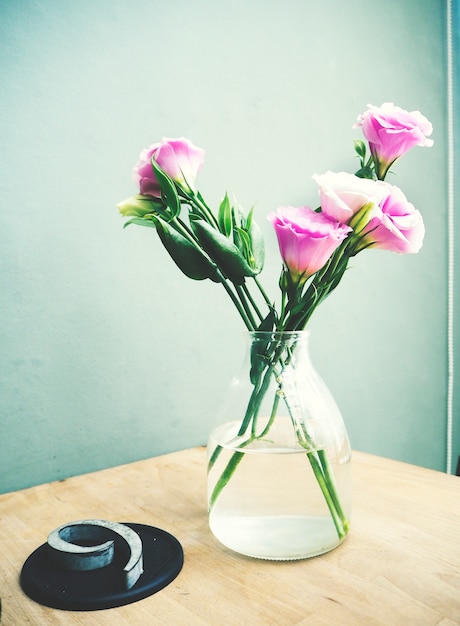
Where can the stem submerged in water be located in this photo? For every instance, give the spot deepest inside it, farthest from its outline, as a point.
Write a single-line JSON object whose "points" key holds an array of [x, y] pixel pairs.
{"points": [[225, 476], [275, 368], [327, 485]]}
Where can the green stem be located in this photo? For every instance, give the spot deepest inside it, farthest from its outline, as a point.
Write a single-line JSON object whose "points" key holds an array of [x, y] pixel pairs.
{"points": [[329, 476], [236, 457], [340, 522], [252, 301], [182, 228], [249, 323], [225, 477], [239, 290], [323, 283], [214, 456], [321, 468], [199, 203], [262, 291], [276, 401], [254, 402]]}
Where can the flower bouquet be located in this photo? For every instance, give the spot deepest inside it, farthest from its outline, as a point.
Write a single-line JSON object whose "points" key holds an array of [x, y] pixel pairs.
{"points": [[356, 212]]}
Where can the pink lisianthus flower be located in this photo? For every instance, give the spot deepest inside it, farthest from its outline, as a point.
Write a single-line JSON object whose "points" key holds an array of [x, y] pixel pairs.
{"points": [[396, 225], [306, 239], [179, 158], [342, 194], [391, 132]]}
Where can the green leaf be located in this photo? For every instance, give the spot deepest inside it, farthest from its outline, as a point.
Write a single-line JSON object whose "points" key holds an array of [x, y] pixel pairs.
{"points": [[257, 243], [168, 189], [267, 324], [238, 216], [221, 250], [259, 348], [200, 198], [360, 149], [248, 238], [365, 172], [186, 255], [224, 216], [141, 221], [243, 242]]}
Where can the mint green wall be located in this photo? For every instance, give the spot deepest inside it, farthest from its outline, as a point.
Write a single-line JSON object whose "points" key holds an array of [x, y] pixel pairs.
{"points": [[454, 101], [107, 353]]}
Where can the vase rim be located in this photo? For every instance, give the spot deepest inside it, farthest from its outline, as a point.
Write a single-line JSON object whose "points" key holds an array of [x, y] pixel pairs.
{"points": [[280, 333]]}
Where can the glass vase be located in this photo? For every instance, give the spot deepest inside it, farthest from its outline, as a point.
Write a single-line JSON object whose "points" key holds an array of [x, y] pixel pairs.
{"points": [[279, 462]]}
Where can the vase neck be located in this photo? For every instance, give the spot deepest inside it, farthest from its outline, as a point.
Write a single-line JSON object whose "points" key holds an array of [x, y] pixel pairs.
{"points": [[287, 338]]}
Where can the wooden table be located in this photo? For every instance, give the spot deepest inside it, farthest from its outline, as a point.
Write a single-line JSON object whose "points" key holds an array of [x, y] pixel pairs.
{"points": [[399, 566]]}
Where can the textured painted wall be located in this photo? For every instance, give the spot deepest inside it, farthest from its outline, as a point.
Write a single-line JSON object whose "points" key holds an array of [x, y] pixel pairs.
{"points": [[453, 7], [109, 354]]}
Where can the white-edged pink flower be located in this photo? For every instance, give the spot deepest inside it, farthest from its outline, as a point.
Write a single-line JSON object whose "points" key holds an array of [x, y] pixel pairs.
{"points": [[396, 225], [343, 194]]}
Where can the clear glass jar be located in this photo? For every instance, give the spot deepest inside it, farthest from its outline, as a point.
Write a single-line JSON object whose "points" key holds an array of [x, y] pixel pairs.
{"points": [[279, 462]]}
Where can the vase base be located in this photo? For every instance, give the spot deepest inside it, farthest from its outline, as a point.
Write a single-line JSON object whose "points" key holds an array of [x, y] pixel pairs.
{"points": [[276, 538]]}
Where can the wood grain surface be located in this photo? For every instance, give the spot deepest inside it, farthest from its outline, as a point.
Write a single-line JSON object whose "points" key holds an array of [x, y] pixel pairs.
{"points": [[400, 564]]}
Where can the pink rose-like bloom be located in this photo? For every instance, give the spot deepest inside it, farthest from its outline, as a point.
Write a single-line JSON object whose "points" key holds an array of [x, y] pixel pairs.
{"points": [[343, 194], [396, 226], [306, 239], [179, 158], [392, 131]]}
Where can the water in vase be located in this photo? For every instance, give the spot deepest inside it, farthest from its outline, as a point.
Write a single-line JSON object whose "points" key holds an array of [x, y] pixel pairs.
{"points": [[272, 506]]}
